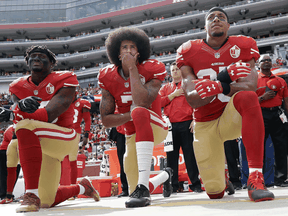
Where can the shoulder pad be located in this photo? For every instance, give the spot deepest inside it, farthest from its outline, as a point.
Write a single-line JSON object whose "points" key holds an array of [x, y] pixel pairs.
{"points": [[245, 41], [153, 64], [18, 83], [185, 47], [106, 70]]}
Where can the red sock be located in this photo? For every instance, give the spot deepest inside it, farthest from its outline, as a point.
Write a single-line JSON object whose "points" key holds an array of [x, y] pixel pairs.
{"points": [[141, 120], [253, 132], [65, 192], [11, 178], [151, 187], [73, 171], [30, 154]]}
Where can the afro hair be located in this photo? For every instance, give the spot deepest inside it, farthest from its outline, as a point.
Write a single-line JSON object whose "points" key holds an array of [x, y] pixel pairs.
{"points": [[138, 36]]}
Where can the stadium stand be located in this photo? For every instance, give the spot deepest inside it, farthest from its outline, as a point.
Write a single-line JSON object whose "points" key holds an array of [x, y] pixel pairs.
{"points": [[76, 31]]}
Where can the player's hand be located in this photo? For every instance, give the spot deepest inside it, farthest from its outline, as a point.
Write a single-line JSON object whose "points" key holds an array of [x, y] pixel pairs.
{"points": [[129, 60], [29, 104], [238, 70], [5, 114], [206, 88], [18, 115]]}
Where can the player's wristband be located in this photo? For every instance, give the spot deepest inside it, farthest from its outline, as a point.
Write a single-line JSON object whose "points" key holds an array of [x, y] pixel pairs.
{"points": [[223, 76], [86, 134], [226, 88]]}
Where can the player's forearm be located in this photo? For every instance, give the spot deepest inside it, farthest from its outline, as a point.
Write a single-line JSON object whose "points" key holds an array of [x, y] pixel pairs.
{"points": [[245, 84], [192, 96], [114, 120], [140, 94]]}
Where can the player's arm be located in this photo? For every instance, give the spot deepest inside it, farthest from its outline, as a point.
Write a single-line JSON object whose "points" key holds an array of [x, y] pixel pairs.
{"points": [[192, 97], [143, 95], [87, 120], [107, 108], [248, 83], [60, 102]]}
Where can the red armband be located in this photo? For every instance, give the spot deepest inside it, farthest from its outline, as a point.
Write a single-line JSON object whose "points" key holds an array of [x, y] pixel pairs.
{"points": [[40, 115], [87, 119]]}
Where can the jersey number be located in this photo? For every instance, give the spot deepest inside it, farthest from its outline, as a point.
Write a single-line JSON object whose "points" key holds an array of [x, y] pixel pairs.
{"points": [[75, 117], [211, 74]]}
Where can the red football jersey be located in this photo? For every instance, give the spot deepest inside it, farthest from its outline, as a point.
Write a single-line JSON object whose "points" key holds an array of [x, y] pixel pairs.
{"points": [[8, 134], [24, 87], [110, 80], [78, 106], [207, 62]]}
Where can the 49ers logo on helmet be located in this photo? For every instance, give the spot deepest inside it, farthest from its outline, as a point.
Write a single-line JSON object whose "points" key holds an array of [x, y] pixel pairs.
{"points": [[50, 88], [235, 51]]}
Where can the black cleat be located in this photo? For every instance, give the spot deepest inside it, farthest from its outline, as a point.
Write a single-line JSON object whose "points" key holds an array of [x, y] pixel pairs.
{"points": [[123, 194], [167, 185], [196, 187], [229, 187], [237, 185], [139, 198]]}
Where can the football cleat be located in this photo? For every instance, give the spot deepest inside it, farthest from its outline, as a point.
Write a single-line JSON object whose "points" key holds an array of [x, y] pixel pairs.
{"points": [[196, 187], [257, 190], [139, 198], [6, 201], [31, 203], [167, 185], [229, 187], [90, 191]]}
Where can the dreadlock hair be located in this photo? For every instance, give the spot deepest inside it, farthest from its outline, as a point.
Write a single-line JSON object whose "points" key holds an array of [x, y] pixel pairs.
{"points": [[138, 36], [42, 49]]}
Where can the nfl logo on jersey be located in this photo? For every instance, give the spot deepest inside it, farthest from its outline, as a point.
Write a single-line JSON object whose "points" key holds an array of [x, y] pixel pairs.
{"points": [[217, 55], [50, 88]]}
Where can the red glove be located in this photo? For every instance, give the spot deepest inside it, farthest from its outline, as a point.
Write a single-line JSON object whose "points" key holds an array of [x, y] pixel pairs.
{"points": [[238, 70], [39, 114], [234, 72], [274, 84], [206, 88]]}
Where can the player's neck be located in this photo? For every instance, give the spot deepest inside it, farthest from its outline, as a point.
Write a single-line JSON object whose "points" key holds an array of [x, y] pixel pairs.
{"points": [[122, 73], [216, 42], [38, 77]]}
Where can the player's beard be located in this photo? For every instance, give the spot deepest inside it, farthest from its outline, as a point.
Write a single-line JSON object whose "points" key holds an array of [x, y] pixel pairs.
{"points": [[219, 34], [37, 69]]}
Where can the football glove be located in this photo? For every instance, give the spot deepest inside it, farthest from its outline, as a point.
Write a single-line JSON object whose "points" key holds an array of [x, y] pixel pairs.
{"points": [[234, 72], [206, 88], [29, 104], [5, 114]]}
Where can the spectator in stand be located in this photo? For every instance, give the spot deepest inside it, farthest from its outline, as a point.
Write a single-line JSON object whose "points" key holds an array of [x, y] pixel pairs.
{"points": [[117, 134], [223, 109], [180, 114], [272, 92]]}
